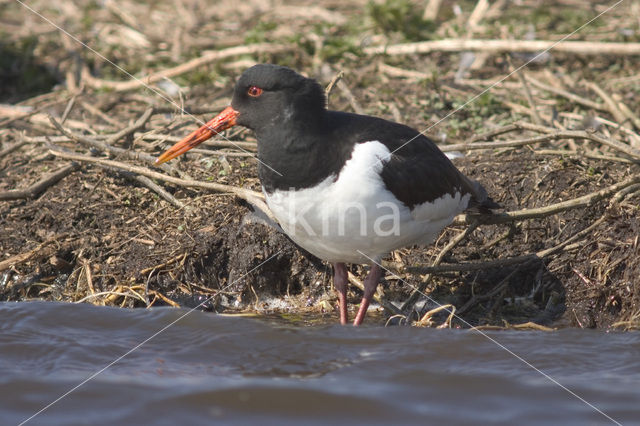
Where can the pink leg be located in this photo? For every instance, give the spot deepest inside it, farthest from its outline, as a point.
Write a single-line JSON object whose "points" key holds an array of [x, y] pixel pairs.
{"points": [[340, 281], [370, 285]]}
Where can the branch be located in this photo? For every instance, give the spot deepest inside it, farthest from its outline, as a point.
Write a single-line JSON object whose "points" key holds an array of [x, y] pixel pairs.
{"points": [[120, 86], [584, 201], [139, 124], [612, 106], [571, 96], [28, 255], [476, 266], [550, 134], [40, 186], [158, 189], [85, 140], [581, 134], [106, 147], [332, 83], [247, 146], [527, 92], [495, 132], [585, 154], [431, 10], [497, 46], [252, 197], [8, 150], [415, 294]]}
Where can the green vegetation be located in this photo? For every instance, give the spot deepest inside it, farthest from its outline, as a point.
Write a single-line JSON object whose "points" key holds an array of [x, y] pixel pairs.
{"points": [[338, 43], [473, 115], [260, 32], [401, 16], [549, 19]]}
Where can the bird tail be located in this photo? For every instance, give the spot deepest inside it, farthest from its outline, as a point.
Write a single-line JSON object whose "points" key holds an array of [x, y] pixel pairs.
{"points": [[480, 202]]}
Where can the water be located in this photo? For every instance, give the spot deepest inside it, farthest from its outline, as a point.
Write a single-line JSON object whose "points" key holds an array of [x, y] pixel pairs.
{"points": [[209, 369]]}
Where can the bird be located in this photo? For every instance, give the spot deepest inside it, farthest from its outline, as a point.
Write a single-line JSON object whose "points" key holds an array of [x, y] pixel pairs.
{"points": [[348, 188]]}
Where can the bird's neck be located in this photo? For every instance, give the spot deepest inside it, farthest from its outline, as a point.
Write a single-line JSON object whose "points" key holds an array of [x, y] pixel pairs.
{"points": [[297, 154]]}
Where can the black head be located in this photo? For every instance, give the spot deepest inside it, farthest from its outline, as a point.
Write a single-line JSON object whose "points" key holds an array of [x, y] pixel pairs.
{"points": [[277, 103], [268, 96]]}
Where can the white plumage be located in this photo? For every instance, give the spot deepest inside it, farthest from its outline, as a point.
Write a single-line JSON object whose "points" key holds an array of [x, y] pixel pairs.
{"points": [[354, 212]]}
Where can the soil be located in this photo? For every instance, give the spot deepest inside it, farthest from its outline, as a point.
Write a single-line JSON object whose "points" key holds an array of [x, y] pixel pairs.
{"points": [[99, 236]]}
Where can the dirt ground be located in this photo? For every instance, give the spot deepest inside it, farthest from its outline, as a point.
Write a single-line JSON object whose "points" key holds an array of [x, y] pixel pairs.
{"points": [[101, 234]]}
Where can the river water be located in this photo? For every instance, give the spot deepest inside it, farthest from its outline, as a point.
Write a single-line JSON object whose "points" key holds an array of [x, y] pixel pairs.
{"points": [[205, 368]]}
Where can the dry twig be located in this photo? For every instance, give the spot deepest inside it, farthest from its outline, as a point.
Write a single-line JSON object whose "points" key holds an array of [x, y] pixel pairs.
{"points": [[337, 77], [426, 320], [431, 10], [8, 150], [207, 58], [584, 201], [549, 134], [461, 45], [525, 87], [415, 294], [106, 146], [612, 105], [26, 256], [568, 95], [466, 267], [158, 189], [524, 326], [386, 305], [254, 198], [37, 188]]}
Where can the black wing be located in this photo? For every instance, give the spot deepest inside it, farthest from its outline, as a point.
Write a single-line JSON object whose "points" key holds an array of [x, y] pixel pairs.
{"points": [[418, 170]]}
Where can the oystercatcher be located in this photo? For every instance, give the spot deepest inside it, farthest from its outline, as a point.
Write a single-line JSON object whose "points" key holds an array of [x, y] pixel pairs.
{"points": [[348, 188]]}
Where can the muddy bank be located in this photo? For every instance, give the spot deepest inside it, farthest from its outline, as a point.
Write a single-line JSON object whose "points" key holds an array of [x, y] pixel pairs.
{"points": [[96, 230], [98, 237]]}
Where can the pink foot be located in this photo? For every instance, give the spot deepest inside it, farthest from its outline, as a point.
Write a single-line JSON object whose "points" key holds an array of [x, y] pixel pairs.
{"points": [[340, 281], [370, 285]]}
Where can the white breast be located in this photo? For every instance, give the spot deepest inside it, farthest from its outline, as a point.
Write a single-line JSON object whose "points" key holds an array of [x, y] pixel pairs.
{"points": [[338, 218]]}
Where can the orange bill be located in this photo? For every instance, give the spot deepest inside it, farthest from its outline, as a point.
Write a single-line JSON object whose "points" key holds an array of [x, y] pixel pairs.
{"points": [[224, 120]]}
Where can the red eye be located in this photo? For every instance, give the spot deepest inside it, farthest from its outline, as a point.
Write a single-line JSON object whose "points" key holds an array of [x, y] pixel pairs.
{"points": [[254, 91]]}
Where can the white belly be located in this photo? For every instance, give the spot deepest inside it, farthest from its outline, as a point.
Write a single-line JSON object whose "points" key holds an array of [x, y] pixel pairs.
{"points": [[355, 218]]}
